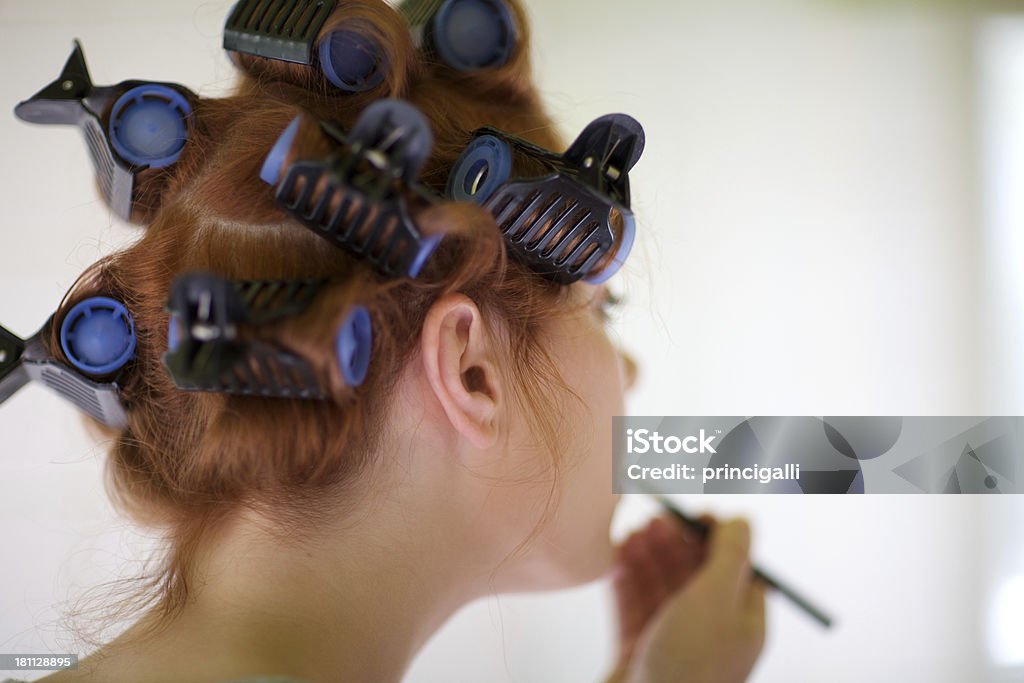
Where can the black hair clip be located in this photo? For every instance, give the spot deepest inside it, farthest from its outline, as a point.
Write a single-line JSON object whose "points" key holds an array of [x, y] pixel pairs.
{"points": [[287, 31], [98, 337], [561, 224], [355, 197], [129, 127], [206, 351], [467, 35]]}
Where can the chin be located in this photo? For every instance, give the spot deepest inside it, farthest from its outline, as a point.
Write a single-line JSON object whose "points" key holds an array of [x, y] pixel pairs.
{"points": [[596, 562], [574, 549], [567, 563], [563, 574]]}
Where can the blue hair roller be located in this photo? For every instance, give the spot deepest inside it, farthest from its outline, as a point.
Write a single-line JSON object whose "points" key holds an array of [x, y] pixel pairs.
{"points": [[467, 35], [354, 344], [360, 196], [148, 125], [352, 61], [98, 336], [426, 249], [474, 34], [621, 253], [484, 166], [271, 171], [261, 28], [173, 333], [572, 222], [207, 350]]}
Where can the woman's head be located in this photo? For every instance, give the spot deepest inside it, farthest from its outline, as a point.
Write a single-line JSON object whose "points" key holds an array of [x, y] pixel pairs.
{"points": [[489, 386]]}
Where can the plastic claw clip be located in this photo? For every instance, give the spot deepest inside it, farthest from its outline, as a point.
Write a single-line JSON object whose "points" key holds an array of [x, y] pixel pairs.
{"points": [[98, 337], [562, 224], [357, 197], [467, 35], [287, 30], [206, 351], [129, 127]]}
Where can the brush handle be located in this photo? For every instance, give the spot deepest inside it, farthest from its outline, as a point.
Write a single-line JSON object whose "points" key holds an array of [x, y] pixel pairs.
{"points": [[703, 530]]}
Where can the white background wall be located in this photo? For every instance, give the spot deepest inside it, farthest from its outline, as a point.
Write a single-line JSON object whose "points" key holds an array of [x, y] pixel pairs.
{"points": [[1001, 67], [813, 220]]}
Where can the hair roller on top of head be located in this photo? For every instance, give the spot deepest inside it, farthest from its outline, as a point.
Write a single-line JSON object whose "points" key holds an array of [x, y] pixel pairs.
{"points": [[572, 223], [288, 31], [208, 351], [276, 29], [98, 337], [358, 197], [129, 127], [467, 35]]}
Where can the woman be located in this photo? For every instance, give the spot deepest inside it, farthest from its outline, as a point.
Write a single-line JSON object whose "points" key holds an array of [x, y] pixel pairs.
{"points": [[327, 540]]}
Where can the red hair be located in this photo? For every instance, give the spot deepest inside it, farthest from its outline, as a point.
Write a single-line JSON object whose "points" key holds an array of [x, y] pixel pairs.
{"points": [[190, 461]]}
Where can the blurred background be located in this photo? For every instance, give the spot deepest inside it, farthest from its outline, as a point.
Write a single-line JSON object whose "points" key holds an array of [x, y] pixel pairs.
{"points": [[831, 222]]}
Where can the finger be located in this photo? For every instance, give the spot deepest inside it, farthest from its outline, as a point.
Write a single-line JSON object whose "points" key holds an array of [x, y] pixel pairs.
{"points": [[678, 552], [669, 553], [627, 597], [631, 555], [709, 521], [684, 528], [728, 558], [643, 573], [754, 607], [686, 534], [692, 540], [655, 540], [665, 532], [673, 543], [628, 586], [627, 556]]}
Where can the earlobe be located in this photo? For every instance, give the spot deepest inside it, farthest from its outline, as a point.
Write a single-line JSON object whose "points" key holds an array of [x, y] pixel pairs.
{"points": [[458, 358]]}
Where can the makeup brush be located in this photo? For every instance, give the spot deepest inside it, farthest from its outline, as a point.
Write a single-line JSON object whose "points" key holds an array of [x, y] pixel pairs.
{"points": [[703, 530]]}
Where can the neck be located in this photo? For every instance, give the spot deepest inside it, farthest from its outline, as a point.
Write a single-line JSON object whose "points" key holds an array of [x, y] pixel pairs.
{"points": [[358, 604]]}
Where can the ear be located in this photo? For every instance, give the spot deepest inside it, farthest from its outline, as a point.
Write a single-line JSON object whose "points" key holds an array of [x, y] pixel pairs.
{"points": [[458, 359]]}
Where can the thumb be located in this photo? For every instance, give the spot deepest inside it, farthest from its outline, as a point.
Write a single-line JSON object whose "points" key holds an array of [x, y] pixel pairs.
{"points": [[754, 606], [728, 559]]}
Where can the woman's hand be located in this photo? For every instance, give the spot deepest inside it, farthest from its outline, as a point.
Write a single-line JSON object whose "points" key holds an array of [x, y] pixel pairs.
{"points": [[688, 611]]}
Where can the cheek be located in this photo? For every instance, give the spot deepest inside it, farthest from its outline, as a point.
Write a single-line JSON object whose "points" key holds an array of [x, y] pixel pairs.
{"points": [[574, 546], [587, 500]]}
